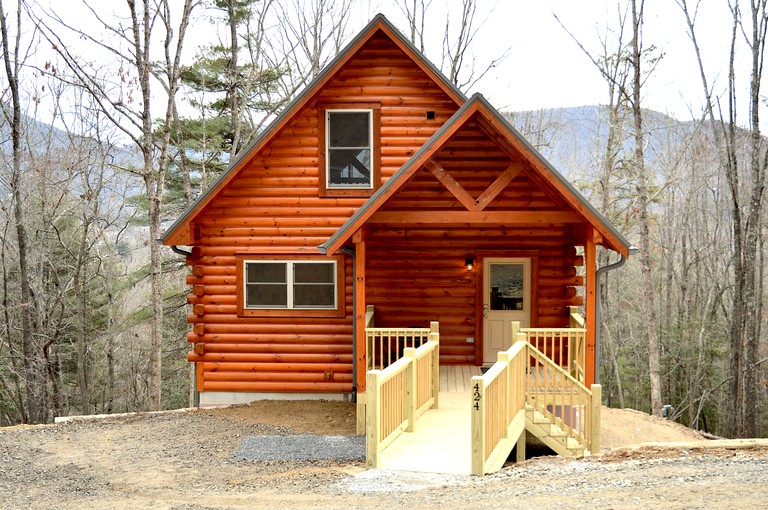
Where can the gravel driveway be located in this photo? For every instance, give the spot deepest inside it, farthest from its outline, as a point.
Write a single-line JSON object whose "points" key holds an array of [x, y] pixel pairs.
{"points": [[185, 461]]}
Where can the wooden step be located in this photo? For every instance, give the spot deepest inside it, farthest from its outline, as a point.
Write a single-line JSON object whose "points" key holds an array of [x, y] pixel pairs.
{"points": [[552, 435]]}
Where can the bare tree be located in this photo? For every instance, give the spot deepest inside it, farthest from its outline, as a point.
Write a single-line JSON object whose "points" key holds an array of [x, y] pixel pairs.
{"points": [[746, 178], [415, 14], [134, 117], [623, 71], [13, 61], [643, 198], [458, 60], [313, 32]]}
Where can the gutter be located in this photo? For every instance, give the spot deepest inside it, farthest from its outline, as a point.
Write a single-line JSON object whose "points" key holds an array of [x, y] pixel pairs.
{"points": [[352, 253], [599, 307], [178, 251]]}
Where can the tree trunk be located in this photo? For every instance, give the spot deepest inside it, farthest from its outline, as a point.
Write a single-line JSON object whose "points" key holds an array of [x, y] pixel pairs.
{"points": [[649, 296], [31, 349]]}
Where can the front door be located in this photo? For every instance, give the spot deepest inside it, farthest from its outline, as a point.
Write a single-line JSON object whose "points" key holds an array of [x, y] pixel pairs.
{"points": [[506, 298]]}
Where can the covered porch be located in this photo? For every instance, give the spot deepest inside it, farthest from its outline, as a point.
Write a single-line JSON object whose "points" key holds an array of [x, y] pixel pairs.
{"points": [[463, 421]]}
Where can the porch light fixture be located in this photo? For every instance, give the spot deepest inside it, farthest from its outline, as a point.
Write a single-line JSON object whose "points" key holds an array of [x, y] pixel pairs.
{"points": [[470, 263]]}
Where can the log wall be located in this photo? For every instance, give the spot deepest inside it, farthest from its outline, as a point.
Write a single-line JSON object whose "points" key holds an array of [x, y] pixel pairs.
{"points": [[273, 206]]}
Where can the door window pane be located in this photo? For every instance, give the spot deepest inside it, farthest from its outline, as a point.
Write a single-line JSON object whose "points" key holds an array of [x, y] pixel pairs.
{"points": [[506, 283]]}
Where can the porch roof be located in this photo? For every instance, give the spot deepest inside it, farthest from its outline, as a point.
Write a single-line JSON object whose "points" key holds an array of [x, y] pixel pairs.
{"points": [[509, 137]]}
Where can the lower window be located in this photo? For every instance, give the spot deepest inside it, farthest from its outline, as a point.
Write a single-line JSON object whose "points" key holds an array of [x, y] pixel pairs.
{"points": [[296, 287]]}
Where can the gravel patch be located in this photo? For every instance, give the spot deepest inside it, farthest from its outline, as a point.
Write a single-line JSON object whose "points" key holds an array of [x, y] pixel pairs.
{"points": [[301, 447], [382, 481]]}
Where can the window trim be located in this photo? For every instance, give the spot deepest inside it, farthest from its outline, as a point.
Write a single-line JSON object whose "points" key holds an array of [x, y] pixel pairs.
{"points": [[339, 309], [324, 189]]}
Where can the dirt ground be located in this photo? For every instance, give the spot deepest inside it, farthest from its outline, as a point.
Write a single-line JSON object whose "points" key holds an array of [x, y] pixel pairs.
{"points": [[183, 460]]}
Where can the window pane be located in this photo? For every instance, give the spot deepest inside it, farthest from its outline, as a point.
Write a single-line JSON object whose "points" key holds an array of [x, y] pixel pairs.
{"points": [[265, 272], [313, 272], [349, 167], [266, 296], [506, 287], [313, 295], [349, 129]]}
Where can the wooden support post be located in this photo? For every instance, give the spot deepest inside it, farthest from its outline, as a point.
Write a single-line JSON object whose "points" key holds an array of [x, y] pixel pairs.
{"points": [[596, 411], [372, 419], [410, 388], [590, 304], [434, 335], [515, 325], [520, 452], [503, 357], [360, 311], [361, 413], [478, 425]]}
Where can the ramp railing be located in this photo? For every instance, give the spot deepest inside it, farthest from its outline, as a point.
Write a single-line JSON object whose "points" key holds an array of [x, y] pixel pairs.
{"points": [[498, 409], [525, 376], [400, 393]]}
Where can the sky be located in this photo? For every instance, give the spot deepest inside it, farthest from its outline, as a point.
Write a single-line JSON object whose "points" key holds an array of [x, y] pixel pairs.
{"points": [[546, 68]]}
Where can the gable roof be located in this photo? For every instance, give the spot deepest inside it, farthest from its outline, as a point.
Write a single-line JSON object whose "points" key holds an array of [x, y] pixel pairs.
{"points": [[179, 232], [507, 134]]}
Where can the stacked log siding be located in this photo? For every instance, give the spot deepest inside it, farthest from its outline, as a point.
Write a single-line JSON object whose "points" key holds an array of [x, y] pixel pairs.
{"points": [[273, 206], [415, 268]]}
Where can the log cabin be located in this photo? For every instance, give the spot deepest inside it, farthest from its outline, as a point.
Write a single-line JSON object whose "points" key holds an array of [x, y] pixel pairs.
{"points": [[380, 189]]}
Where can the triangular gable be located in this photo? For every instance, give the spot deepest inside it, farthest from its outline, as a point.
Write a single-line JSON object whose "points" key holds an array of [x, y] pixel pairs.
{"points": [[506, 136], [179, 232]]}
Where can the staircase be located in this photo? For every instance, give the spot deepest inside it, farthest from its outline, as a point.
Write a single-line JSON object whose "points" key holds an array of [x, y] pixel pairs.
{"points": [[526, 389], [551, 434]]}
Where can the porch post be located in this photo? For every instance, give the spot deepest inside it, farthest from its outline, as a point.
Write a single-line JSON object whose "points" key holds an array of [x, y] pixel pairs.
{"points": [[590, 302], [359, 310]]}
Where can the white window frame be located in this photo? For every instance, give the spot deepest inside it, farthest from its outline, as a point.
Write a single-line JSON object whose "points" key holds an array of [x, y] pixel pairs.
{"points": [[328, 148], [289, 268]]}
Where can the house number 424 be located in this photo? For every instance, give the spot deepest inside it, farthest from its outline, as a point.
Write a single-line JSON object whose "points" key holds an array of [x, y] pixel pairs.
{"points": [[476, 396]]}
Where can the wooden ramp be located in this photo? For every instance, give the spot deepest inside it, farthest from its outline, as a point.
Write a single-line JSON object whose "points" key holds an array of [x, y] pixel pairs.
{"points": [[441, 442]]}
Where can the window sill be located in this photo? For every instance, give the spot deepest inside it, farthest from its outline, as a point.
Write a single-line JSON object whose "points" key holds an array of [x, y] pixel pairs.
{"points": [[283, 312], [346, 192]]}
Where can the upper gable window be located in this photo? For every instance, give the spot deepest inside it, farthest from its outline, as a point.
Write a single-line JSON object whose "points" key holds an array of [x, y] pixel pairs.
{"points": [[350, 153]]}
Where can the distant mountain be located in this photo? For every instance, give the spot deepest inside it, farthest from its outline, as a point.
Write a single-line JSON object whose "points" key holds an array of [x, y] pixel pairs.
{"points": [[573, 139]]}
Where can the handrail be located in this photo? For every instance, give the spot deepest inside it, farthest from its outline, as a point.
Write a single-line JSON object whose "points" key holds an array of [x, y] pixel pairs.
{"points": [[524, 376], [400, 393], [498, 409]]}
